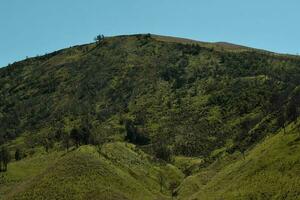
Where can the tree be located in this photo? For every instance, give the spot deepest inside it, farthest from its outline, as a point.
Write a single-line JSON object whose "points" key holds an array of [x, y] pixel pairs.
{"points": [[18, 154], [291, 111], [81, 135], [48, 142], [173, 186], [4, 158], [162, 152], [97, 139], [161, 180], [85, 135], [66, 141], [76, 136], [242, 149], [134, 134], [99, 38], [2, 140], [1, 160], [281, 120], [130, 131]]}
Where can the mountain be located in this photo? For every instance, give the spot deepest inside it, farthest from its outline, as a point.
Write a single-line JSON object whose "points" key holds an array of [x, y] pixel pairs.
{"points": [[149, 117]]}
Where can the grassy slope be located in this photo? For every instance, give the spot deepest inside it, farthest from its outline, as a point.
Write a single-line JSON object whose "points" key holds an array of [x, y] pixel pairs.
{"points": [[23, 171], [120, 171], [269, 171]]}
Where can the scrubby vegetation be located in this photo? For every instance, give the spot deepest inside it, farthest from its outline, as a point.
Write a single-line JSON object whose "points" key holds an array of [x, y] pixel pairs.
{"points": [[185, 106]]}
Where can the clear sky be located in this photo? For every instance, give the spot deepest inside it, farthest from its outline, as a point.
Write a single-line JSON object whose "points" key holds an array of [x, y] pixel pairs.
{"points": [[31, 27]]}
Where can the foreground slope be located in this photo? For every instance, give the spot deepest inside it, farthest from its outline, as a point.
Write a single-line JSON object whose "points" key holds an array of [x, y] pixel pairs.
{"points": [[121, 171], [268, 171], [118, 171]]}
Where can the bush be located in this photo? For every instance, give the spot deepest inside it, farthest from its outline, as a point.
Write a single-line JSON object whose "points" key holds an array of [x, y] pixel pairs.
{"points": [[163, 152], [18, 154], [4, 159]]}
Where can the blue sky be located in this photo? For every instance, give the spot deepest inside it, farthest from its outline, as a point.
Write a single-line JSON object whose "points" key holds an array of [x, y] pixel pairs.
{"points": [[32, 27]]}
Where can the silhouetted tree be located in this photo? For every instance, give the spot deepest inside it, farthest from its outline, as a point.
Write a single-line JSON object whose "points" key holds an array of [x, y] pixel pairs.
{"points": [[66, 141], [135, 135], [99, 38], [161, 180], [75, 136], [81, 135], [4, 158], [47, 142], [172, 187], [291, 111], [85, 135], [281, 119], [96, 139], [130, 132], [1, 160], [18, 154], [162, 152], [242, 149], [2, 140]]}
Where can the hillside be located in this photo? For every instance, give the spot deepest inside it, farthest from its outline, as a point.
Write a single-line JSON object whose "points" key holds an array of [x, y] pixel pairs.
{"points": [[268, 171], [86, 173], [127, 109]]}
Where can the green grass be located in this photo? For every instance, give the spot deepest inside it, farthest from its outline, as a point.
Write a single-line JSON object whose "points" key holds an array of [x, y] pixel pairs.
{"points": [[122, 171], [269, 171], [118, 171], [23, 171], [187, 163]]}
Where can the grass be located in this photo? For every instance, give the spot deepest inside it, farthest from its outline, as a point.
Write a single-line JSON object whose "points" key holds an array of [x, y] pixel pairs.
{"points": [[22, 171], [188, 163], [117, 171], [120, 170], [269, 171]]}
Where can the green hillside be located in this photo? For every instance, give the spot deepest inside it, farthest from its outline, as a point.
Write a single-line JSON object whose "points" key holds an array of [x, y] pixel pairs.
{"points": [[150, 117], [268, 171], [116, 171]]}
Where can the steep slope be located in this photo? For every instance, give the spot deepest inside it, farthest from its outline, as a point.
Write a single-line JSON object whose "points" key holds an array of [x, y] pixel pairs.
{"points": [[24, 171], [268, 171], [118, 171]]}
